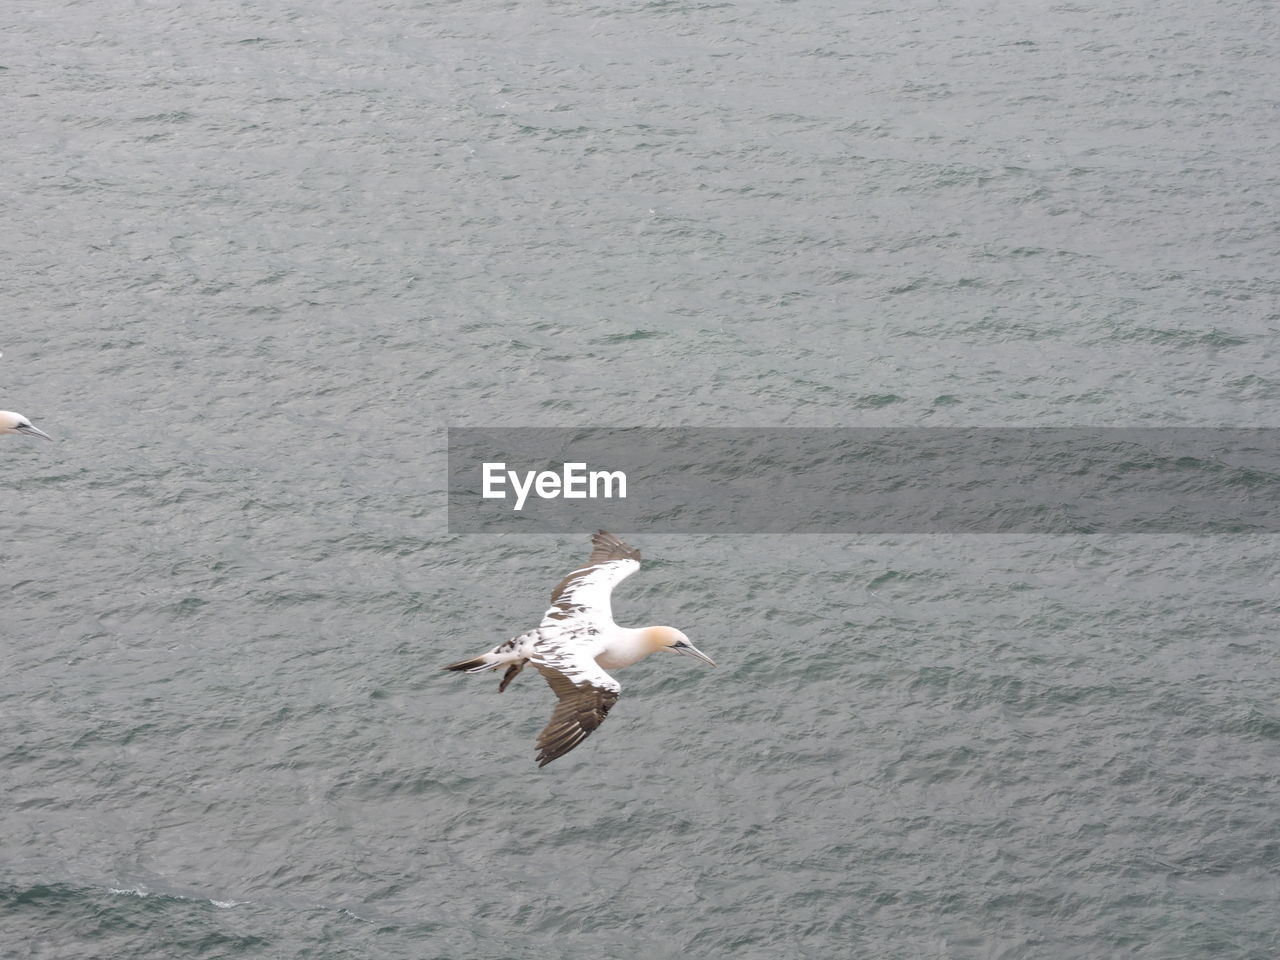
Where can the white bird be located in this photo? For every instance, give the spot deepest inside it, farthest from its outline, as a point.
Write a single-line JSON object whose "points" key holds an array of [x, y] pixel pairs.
{"points": [[577, 642], [11, 422]]}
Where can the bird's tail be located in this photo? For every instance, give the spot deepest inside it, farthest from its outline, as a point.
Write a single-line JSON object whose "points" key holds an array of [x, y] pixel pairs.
{"points": [[501, 656], [486, 661], [513, 655]]}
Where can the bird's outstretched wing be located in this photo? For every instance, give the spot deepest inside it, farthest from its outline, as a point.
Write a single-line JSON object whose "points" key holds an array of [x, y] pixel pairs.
{"points": [[584, 593], [585, 693]]}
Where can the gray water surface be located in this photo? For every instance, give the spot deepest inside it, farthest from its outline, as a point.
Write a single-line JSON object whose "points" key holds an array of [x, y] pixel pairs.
{"points": [[257, 257]]}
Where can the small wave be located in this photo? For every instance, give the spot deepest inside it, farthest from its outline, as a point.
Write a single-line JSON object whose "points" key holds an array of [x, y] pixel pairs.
{"points": [[144, 892]]}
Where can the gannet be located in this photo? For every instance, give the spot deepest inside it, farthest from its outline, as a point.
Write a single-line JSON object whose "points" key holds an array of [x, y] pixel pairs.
{"points": [[576, 642], [11, 422]]}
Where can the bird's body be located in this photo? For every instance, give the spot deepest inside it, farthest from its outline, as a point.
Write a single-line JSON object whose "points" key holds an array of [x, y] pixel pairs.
{"points": [[11, 422], [577, 642]]}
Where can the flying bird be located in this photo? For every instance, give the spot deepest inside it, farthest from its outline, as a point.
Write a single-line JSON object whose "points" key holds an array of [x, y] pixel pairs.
{"points": [[11, 422], [576, 642]]}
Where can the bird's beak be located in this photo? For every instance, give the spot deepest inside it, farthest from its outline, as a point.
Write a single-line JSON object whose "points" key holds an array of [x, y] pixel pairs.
{"points": [[30, 431], [689, 650]]}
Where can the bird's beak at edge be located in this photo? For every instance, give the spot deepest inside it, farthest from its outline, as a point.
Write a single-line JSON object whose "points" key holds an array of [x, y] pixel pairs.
{"points": [[689, 650], [31, 431]]}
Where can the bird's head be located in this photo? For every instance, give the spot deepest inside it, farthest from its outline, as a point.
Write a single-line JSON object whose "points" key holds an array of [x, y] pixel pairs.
{"points": [[669, 638], [11, 422]]}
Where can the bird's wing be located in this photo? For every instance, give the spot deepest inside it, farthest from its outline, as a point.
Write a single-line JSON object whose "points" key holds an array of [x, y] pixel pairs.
{"points": [[585, 694], [584, 593]]}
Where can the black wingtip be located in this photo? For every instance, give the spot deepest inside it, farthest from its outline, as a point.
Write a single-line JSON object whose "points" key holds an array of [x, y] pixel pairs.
{"points": [[605, 546]]}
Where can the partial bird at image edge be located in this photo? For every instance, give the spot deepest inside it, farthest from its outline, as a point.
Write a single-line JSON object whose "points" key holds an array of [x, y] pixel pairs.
{"points": [[11, 422]]}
